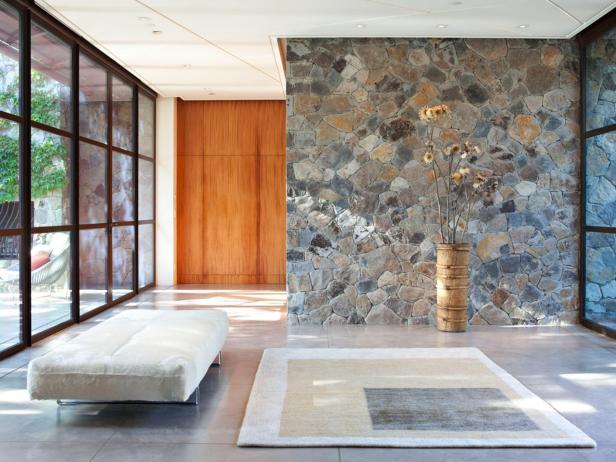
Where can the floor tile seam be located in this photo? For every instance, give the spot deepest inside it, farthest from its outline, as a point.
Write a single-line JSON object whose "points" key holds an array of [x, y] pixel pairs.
{"points": [[102, 446]]}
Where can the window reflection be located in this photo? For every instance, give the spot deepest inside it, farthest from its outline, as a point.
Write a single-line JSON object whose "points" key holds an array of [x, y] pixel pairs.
{"points": [[10, 298], [50, 280], [123, 243], [92, 269], [92, 100], [122, 114], [50, 79]]}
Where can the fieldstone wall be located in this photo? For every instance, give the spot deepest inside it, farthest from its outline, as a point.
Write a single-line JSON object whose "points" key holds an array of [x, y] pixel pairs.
{"points": [[361, 218]]}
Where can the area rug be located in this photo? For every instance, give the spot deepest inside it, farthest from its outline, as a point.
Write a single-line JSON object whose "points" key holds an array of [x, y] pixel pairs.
{"points": [[416, 397]]}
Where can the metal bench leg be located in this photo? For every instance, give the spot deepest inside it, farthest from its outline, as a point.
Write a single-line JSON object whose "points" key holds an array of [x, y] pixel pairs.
{"points": [[193, 399], [218, 360]]}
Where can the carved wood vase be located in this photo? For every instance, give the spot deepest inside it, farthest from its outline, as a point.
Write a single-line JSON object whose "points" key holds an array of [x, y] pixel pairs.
{"points": [[452, 287]]}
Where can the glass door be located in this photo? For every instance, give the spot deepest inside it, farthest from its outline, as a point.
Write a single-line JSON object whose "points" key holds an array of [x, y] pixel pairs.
{"points": [[599, 179]]}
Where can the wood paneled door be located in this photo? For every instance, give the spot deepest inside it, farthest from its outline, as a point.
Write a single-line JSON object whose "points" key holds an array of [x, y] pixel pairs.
{"points": [[231, 192]]}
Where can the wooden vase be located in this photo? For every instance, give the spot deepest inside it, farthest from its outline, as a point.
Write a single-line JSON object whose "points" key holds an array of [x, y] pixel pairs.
{"points": [[452, 287]]}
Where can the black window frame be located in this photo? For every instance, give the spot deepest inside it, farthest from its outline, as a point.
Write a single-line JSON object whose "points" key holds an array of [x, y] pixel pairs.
{"points": [[28, 13], [585, 39]]}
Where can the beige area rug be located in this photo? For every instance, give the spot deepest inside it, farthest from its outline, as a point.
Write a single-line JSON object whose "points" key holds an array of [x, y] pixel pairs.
{"points": [[416, 397]]}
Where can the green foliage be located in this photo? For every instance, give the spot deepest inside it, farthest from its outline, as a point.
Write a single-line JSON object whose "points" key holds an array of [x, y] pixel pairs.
{"points": [[49, 156]]}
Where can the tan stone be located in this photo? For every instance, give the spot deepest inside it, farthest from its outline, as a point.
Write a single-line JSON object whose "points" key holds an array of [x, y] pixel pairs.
{"points": [[398, 53], [489, 247], [336, 104], [384, 153], [551, 55], [388, 109], [426, 92], [421, 308], [388, 172], [360, 95], [489, 49], [326, 133], [342, 122], [374, 76], [304, 104], [525, 129], [418, 57]]}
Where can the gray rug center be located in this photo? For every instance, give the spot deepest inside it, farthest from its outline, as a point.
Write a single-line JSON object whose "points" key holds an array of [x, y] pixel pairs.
{"points": [[446, 409]]}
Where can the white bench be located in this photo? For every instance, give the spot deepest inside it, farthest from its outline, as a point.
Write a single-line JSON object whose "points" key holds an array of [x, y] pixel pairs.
{"points": [[138, 355]]}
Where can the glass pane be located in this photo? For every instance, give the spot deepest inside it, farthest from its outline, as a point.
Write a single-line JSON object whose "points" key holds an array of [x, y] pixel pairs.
{"points": [[92, 269], [92, 184], [146, 190], [50, 279], [10, 298], [123, 242], [601, 180], [9, 175], [9, 59], [50, 179], [601, 82], [146, 125], [601, 278], [146, 255], [51, 79], [92, 100], [122, 114], [122, 188]]}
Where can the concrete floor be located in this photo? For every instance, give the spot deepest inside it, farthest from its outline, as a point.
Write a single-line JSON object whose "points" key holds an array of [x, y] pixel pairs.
{"points": [[572, 368]]}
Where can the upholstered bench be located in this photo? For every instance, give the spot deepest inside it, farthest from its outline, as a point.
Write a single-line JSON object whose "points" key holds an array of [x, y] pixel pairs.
{"points": [[138, 355]]}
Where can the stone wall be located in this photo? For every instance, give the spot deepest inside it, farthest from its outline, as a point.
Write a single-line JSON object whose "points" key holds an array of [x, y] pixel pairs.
{"points": [[361, 218]]}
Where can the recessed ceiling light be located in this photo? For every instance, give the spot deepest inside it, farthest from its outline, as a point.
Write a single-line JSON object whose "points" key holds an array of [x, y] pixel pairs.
{"points": [[523, 26], [456, 3], [144, 18], [442, 26], [360, 26], [157, 32]]}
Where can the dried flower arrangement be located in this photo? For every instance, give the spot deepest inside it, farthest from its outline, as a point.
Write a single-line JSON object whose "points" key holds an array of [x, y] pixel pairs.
{"points": [[454, 167]]}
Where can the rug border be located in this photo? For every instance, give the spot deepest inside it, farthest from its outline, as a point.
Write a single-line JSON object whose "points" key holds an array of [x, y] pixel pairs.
{"points": [[252, 434]]}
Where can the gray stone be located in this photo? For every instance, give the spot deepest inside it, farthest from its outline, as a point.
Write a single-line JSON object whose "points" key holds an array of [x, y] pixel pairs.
{"points": [[342, 306], [387, 278], [378, 261], [321, 278], [410, 294], [366, 285], [378, 296], [494, 316], [421, 308], [380, 314], [530, 294]]}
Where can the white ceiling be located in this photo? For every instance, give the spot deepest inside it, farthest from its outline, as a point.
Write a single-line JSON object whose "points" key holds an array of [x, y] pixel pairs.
{"points": [[226, 49]]}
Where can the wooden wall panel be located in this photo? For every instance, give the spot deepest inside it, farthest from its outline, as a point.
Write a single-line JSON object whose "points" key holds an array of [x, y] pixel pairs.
{"points": [[233, 200], [272, 220], [190, 217], [190, 124]]}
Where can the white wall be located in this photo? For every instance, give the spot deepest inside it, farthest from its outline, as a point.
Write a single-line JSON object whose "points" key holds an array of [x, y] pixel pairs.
{"points": [[166, 129]]}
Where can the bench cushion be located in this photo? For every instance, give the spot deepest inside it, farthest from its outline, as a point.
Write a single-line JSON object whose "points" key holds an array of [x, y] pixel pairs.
{"points": [[144, 355]]}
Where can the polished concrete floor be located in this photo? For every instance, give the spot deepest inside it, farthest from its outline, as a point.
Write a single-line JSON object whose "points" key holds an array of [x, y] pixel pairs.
{"points": [[572, 368]]}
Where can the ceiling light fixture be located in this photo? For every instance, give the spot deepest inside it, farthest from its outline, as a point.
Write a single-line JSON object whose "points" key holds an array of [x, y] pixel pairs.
{"points": [[523, 26], [143, 18], [456, 3], [157, 32], [360, 26], [442, 26]]}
